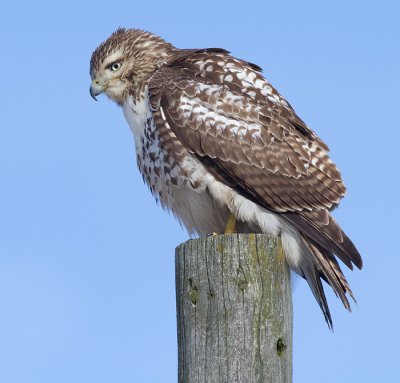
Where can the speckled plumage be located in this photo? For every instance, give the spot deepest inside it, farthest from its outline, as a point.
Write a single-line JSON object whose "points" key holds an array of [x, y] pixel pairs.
{"points": [[213, 137]]}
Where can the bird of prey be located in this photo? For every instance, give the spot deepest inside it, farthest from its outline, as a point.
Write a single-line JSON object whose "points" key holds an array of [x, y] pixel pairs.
{"points": [[225, 152]]}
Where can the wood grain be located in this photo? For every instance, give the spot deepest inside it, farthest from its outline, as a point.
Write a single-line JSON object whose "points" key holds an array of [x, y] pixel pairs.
{"points": [[234, 309]]}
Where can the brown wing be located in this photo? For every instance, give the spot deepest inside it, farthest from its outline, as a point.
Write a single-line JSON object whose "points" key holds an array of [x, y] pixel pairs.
{"points": [[226, 113]]}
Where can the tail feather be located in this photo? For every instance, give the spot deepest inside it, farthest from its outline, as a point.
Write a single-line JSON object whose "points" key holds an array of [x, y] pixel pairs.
{"points": [[322, 228], [317, 289], [321, 263]]}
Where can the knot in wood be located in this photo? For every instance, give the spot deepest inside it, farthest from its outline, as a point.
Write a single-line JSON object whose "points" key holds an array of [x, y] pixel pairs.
{"points": [[193, 293], [280, 347]]}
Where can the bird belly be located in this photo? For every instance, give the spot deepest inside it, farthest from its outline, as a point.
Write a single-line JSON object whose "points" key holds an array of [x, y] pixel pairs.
{"points": [[198, 212], [176, 181], [186, 187]]}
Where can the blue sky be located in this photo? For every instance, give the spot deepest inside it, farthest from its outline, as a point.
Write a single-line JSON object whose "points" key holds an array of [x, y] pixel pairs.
{"points": [[86, 256]]}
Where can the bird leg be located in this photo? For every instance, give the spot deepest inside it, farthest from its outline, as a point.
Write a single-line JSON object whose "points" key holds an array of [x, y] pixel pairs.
{"points": [[230, 227]]}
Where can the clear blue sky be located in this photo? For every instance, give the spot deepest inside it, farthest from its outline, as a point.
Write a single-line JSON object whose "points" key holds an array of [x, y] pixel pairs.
{"points": [[86, 256]]}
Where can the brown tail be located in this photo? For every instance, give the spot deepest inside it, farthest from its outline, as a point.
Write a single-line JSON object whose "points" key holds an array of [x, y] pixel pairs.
{"points": [[326, 267], [322, 228]]}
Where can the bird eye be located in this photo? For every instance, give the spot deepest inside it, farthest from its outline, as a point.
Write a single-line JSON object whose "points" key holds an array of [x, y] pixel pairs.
{"points": [[115, 66]]}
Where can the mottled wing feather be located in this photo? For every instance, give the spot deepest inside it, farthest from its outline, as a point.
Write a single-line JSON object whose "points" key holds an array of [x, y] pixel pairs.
{"points": [[227, 114], [322, 228], [253, 132]]}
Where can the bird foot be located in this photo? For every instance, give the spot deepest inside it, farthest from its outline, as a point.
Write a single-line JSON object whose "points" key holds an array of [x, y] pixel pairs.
{"points": [[213, 234], [230, 227]]}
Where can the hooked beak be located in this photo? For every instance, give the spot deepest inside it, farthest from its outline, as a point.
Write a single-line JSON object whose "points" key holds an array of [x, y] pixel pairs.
{"points": [[96, 88]]}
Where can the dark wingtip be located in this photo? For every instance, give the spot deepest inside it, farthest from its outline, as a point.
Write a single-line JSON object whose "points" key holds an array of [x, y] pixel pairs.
{"points": [[254, 66]]}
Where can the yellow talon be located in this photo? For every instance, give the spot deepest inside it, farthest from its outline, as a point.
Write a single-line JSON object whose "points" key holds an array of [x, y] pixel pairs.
{"points": [[230, 227]]}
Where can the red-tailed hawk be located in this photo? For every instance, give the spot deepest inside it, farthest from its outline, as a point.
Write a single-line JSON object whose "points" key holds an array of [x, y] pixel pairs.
{"points": [[214, 140]]}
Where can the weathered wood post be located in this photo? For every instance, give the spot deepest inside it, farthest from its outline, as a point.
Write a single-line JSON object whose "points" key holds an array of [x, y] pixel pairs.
{"points": [[234, 308]]}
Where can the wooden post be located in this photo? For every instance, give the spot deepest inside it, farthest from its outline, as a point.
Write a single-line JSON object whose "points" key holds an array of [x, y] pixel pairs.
{"points": [[234, 309]]}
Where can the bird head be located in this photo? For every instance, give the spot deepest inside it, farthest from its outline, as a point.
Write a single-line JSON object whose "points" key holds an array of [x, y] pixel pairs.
{"points": [[125, 62]]}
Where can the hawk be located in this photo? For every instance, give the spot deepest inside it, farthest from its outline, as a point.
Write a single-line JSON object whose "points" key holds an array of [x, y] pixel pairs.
{"points": [[225, 152]]}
